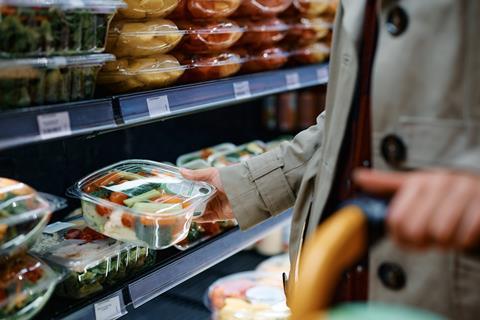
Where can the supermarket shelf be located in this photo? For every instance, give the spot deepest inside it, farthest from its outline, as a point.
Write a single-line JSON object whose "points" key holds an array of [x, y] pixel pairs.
{"points": [[31, 125], [172, 270]]}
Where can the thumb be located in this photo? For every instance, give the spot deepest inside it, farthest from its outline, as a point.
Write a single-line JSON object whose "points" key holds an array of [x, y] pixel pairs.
{"points": [[378, 182], [197, 175]]}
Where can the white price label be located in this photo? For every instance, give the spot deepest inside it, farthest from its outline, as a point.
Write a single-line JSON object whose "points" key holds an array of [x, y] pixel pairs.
{"points": [[293, 80], [322, 74], [241, 89], [108, 309], [53, 125], [158, 106], [57, 226]]}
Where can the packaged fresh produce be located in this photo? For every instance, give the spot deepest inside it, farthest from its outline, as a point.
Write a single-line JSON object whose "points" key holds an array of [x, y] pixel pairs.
{"points": [[140, 9], [262, 8], [263, 59], [312, 8], [142, 38], [26, 284], [208, 36], [205, 9], [36, 81], [23, 214], [200, 232], [136, 74], [92, 261], [209, 66], [196, 164], [204, 154], [240, 154], [248, 295], [262, 32], [304, 31], [142, 202], [313, 53], [275, 143], [43, 27], [275, 265]]}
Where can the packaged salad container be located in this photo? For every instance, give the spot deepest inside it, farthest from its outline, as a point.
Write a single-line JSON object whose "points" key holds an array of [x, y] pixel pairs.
{"points": [[23, 214], [313, 53], [278, 141], [262, 8], [205, 9], [312, 8], [262, 59], [240, 154], [141, 202], [209, 66], [248, 295], [26, 284], [262, 32], [130, 38], [138, 74], [37, 81], [141, 9], [91, 260], [304, 31], [61, 27], [203, 36], [202, 231], [204, 154]]}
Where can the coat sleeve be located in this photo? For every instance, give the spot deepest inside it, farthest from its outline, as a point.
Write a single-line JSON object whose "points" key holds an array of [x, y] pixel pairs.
{"points": [[268, 184]]}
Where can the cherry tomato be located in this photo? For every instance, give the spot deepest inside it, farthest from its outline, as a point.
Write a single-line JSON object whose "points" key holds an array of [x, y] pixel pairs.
{"points": [[128, 220], [73, 234], [103, 211], [118, 197], [211, 228]]}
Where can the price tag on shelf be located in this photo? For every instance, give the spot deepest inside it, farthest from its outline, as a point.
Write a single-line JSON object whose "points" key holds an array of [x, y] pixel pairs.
{"points": [[158, 106], [293, 80], [53, 125], [109, 309], [322, 74], [241, 89]]}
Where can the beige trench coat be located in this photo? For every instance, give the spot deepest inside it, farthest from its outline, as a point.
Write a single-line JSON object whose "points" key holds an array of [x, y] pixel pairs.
{"points": [[426, 113]]}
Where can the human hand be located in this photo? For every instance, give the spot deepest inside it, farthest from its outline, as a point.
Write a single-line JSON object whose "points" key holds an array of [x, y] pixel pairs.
{"points": [[438, 207], [218, 208]]}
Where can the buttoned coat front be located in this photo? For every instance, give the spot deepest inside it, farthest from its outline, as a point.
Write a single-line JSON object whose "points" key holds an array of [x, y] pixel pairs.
{"points": [[425, 113]]}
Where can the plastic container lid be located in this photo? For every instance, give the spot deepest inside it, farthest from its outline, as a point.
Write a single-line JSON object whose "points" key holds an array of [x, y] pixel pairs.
{"points": [[140, 9], [206, 9], [56, 62], [276, 265], [312, 7], [269, 58], [204, 154], [261, 8], [23, 214], [313, 53], [263, 32], [26, 284], [98, 6]]}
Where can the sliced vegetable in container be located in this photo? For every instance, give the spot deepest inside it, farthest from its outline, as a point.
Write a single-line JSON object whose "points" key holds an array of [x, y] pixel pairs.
{"points": [[155, 208], [240, 154], [204, 154]]}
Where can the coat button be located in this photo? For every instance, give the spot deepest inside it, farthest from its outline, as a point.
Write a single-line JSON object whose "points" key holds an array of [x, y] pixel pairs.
{"points": [[397, 21], [393, 150], [392, 275]]}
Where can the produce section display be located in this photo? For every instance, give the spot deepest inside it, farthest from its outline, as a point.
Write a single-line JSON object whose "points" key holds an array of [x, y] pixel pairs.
{"points": [[241, 153], [204, 154], [200, 232], [141, 202], [91, 260]]}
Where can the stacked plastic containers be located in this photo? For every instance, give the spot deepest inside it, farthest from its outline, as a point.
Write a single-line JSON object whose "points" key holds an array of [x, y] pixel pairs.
{"points": [[26, 282], [159, 43], [51, 50]]}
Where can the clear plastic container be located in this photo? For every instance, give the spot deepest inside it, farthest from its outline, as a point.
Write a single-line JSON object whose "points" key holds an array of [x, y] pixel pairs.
{"points": [[275, 265], [141, 202], [304, 31], [23, 214], [262, 32], [312, 8], [54, 27], [262, 8], [248, 295], [208, 36], [138, 74], [37, 81], [263, 59], [91, 260], [196, 164], [205, 9], [128, 38], [313, 53], [275, 143], [209, 66], [200, 232], [240, 154], [141, 9], [26, 284], [204, 154]]}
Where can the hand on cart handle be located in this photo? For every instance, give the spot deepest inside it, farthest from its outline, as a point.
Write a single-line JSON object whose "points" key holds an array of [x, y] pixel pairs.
{"points": [[219, 208], [432, 207]]}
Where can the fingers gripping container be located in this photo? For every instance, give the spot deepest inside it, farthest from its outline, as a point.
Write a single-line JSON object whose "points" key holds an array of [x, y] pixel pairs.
{"points": [[26, 284], [141, 202], [91, 260], [37, 81], [141, 9], [23, 214], [205, 9], [262, 8], [54, 27]]}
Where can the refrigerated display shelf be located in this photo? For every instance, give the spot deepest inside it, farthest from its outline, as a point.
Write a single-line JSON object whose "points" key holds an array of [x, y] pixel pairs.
{"points": [[173, 267], [31, 125]]}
